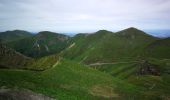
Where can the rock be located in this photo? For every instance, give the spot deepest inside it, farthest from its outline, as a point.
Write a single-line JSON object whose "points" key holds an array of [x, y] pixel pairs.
{"points": [[9, 94], [147, 68]]}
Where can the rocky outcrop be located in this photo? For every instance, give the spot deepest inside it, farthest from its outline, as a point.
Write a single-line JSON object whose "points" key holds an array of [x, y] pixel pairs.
{"points": [[147, 68], [9, 94]]}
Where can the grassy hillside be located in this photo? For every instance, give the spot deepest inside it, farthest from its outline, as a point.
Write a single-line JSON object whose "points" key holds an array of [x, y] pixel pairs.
{"points": [[105, 46], [121, 55], [153, 84], [42, 63], [14, 35], [69, 80], [41, 44], [9, 58], [159, 49]]}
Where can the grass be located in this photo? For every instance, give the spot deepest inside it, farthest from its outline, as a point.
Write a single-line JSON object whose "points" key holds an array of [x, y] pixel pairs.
{"points": [[154, 87], [120, 70], [69, 80]]}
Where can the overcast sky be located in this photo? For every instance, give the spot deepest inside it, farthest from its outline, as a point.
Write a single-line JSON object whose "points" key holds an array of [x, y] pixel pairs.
{"points": [[83, 15]]}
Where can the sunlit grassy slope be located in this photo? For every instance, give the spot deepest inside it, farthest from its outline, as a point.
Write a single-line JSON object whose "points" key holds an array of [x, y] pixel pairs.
{"points": [[71, 81]]}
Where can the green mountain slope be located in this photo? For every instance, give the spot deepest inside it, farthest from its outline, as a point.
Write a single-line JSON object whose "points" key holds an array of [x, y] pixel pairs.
{"points": [[14, 35], [9, 58], [105, 46], [159, 49], [121, 55], [41, 44], [69, 80], [126, 65]]}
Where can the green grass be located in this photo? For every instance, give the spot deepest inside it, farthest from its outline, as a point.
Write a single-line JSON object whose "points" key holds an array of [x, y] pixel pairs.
{"points": [[122, 70], [42, 63], [69, 80], [154, 87]]}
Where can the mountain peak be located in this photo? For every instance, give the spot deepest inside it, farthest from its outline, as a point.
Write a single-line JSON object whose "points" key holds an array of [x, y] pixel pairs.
{"points": [[103, 31], [133, 32], [132, 29], [45, 33]]}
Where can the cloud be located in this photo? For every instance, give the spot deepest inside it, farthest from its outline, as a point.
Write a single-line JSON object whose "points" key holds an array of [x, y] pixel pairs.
{"points": [[83, 15]]}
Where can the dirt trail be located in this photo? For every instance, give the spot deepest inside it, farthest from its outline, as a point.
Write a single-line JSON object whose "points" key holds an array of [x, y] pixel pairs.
{"points": [[98, 64], [57, 62]]}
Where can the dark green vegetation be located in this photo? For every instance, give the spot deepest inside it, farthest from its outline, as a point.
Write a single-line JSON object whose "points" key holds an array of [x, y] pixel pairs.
{"points": [[126, 65], [159, 49], [41, 44], [9, 58]]}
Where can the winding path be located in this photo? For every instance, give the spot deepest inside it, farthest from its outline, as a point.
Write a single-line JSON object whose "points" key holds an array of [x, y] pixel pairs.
{"points": [[98, 64]]}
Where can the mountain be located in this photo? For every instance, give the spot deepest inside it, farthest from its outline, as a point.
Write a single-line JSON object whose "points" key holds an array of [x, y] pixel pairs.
{"points": [[42, 44], [125, 65], [14, 35], [105, 46], [9, 58], [134, 33]]}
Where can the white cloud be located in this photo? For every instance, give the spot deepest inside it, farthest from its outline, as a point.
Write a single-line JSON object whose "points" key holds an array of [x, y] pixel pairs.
{"points": [[83, 15]]}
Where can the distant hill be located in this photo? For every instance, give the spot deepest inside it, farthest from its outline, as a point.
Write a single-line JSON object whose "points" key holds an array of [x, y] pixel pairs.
{"points": [[106, 46], [9, 58], [14, 35], [41, 44]]}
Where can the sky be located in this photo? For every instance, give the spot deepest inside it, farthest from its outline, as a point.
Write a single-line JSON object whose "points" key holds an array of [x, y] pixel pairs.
{"points": [[83, 15]]}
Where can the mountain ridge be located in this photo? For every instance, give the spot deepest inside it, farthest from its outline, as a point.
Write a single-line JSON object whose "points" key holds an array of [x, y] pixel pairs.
{"points": [[8, 36]]}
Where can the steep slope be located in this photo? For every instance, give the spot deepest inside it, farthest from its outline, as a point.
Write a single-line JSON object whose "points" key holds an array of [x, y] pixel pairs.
{"points": [[83, 44], [43, 63], [105, 46], [159, 49], [9, 58], [42, 44], [14, 35]]}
